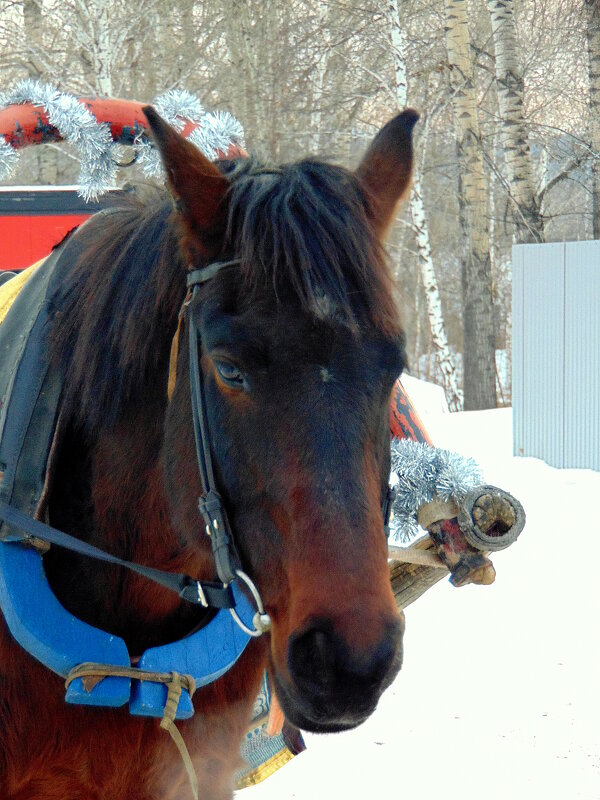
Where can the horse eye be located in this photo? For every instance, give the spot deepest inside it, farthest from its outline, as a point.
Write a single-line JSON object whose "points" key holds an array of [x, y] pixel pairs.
{"points": [[231, 375]]}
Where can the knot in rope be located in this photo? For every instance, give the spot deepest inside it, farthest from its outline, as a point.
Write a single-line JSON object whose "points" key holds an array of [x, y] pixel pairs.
{"points": [[91, 674]]}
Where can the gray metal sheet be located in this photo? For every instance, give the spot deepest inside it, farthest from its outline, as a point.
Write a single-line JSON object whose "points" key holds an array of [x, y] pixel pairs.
{"points": [[518, 289], [539, 349], [582, 355]]}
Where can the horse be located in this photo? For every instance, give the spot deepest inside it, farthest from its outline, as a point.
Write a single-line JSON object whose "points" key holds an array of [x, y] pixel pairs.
{"points": [[299, 345]]}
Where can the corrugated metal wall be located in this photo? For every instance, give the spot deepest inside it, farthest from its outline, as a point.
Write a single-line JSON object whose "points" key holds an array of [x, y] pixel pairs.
{"points": [[556, 353]]}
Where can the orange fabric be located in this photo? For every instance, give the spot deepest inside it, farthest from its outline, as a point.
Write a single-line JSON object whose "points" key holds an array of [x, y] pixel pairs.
{"points": [[276, 717], [405, 423]]}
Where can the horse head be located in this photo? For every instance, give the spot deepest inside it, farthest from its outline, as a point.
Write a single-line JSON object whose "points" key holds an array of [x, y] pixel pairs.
{"points": [[300, 345]]}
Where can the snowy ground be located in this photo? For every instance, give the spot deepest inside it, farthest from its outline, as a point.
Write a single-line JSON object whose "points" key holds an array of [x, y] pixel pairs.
{"points": [[499, 696]]}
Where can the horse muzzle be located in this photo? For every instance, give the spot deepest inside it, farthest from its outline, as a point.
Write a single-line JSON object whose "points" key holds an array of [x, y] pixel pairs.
{"points": [[332, 686]]}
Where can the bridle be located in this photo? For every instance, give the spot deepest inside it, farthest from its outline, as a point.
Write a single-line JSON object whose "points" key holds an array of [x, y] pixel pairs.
{"points": [[208, 594], [210, 504]]}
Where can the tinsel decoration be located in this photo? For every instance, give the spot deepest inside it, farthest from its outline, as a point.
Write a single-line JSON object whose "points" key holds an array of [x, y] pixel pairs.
{"points": [[214, 133], [423, 473], [8, 158], [76, 125]]}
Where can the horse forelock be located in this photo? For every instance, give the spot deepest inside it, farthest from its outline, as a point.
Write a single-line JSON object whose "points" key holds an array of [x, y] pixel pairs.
{"points": [[303, 228]]}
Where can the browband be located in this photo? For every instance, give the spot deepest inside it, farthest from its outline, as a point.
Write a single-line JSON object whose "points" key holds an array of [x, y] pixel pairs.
{"points": [[198, 276]]}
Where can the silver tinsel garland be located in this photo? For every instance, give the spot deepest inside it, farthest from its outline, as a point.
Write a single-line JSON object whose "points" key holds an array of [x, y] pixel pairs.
{"points": [[216, 131], [77, 125], [422, 473], [8, 158]]}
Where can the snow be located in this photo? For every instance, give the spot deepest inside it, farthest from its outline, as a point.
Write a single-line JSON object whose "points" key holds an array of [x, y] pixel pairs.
{"points": [[499, 694], [427, 397]]}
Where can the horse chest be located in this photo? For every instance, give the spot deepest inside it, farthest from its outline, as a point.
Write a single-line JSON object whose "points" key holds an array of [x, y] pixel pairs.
{"points": [[70, 753]]}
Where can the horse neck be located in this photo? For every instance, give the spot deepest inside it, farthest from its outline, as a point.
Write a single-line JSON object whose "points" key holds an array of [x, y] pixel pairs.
{"points": [[111, 493]]}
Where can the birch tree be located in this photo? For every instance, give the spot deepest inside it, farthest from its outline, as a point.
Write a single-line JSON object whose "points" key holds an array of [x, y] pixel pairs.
{"points": [[528, 221], [104, 32], [593, 48], [478, 319], [318, 76], [420, 227]]}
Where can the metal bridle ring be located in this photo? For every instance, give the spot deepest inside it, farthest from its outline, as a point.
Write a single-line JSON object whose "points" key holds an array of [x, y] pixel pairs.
{"points": [[261, 620]]}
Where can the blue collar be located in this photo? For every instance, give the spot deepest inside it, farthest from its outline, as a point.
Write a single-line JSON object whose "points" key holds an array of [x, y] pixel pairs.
{"points": [[61, 641]]}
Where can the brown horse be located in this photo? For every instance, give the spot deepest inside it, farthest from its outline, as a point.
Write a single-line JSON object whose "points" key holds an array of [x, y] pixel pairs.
{"points": [[300, 347]]}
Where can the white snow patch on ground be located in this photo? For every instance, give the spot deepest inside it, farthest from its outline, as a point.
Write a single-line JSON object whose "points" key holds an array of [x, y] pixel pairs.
{"points": [[499, 695]]}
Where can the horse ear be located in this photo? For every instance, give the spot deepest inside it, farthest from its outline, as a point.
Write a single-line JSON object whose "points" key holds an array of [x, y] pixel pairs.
{"points": [[386, 168], [198, 186]]}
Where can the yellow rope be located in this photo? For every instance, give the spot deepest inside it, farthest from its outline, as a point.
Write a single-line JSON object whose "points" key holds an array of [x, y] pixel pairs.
{"points": [[167, 723], [91, 674]]}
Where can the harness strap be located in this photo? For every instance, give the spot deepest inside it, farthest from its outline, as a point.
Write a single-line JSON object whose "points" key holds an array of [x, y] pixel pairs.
{"points": [[210, 504], [202, 593], [91, 674], [195, 278]]}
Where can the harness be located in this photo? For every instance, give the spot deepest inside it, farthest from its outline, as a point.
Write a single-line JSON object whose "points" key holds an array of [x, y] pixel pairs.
{"points": [[31, 394]]}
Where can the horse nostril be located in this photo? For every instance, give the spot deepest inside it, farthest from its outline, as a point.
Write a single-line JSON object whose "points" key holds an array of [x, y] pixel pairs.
{"points": [[320, 661], [312, 658]]}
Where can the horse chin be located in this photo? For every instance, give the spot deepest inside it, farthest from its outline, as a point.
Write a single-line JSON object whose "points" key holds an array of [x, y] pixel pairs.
{"points": [[309, 716]]}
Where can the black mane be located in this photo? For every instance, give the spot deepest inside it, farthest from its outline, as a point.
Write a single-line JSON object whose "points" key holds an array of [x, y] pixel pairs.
{"points": [[117, 297], [302, 227]]}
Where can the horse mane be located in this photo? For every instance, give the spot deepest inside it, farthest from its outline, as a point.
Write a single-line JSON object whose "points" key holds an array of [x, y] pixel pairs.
{"points": [[116, 296], [302, 227]]}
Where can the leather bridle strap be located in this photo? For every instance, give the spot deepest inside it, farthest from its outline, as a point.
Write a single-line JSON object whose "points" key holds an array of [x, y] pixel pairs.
{"points": [[203, 593], [210, 503]]}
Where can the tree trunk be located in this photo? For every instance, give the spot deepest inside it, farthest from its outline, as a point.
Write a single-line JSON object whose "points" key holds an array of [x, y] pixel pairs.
{"points": [[478, 319], [509, 84], [419, 220], [101, 46], [45, 158], [432, 297], [246, 37], [593, 47]]}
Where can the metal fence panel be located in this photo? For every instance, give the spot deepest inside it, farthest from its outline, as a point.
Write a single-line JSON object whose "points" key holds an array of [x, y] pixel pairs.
{"points": [[556, 353], [582, 355], [542, 345], [518, 299]]}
